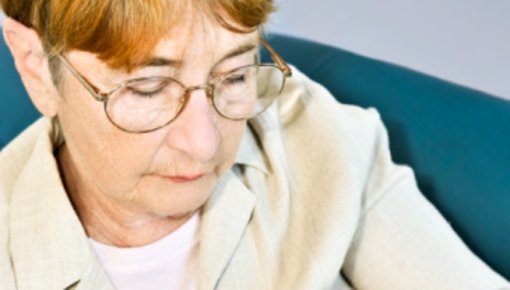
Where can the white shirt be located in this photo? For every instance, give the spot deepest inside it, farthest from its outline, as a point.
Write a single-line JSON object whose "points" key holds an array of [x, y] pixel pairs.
{"points": [[169, 264]]}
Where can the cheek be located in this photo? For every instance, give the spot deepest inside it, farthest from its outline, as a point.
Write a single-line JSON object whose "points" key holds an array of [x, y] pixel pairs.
{"points": [[103, 155]]}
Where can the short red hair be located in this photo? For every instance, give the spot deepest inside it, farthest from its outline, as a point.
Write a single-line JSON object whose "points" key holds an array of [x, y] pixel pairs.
{"points": [[123, 33]]}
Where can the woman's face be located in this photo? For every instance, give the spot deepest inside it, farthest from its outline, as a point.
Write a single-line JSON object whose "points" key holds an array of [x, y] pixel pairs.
{"points": [[171, 171]]}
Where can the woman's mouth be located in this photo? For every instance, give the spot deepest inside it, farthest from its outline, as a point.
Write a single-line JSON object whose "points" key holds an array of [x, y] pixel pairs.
{"points": [[182, 178]]}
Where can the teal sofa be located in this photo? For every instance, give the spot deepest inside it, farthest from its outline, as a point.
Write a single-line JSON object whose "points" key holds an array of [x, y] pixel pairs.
{"points": [[457, 139]]}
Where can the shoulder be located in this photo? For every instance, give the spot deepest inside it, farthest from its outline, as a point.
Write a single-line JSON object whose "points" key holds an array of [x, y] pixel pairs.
{"points": [[324, 149], [14, 159], [316, 125], [334, 147], [16, 155]]}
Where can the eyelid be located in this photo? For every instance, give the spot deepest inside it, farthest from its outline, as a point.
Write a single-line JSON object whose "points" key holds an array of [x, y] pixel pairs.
{"points": [[149, 72], [219, 73], [146, 93]]}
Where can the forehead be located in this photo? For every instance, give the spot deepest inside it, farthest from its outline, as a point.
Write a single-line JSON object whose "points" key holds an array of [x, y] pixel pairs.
{"points": [[199, 37]]}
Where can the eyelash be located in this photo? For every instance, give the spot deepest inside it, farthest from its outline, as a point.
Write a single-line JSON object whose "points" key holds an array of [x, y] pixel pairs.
{"points": [[145, 94], [237, 79]]}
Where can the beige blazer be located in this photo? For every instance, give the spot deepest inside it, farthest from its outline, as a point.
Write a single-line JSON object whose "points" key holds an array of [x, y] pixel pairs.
{"points": [[313, 202]]}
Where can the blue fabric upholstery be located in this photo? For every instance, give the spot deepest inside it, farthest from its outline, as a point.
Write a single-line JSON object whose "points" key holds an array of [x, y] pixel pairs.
{"points": [[16, 110], [455, 138]]}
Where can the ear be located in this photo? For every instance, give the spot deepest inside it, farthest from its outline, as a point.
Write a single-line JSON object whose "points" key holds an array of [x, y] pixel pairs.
{"points": [[32, 65]]}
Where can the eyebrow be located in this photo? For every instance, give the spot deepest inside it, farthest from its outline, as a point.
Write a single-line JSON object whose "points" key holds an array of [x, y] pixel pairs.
{"points": [[239, 51], [161, 61]]}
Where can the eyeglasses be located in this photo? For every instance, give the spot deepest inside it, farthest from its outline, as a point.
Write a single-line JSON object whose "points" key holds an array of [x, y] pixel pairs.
{"points": [[147, 104]]}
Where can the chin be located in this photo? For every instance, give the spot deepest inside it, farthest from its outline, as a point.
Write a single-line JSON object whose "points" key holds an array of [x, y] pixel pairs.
{"points": [[176, 201]]}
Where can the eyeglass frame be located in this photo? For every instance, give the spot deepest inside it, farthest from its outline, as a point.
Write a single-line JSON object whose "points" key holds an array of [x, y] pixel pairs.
{"points": [[209, 87]]}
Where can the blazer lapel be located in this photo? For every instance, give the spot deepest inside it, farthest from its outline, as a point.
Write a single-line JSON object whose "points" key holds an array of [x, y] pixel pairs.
{"points": [[224, 220], [48, 244]]}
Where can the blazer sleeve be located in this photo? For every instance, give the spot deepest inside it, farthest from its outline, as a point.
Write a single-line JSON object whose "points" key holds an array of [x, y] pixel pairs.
{"points": [[403, 242]]}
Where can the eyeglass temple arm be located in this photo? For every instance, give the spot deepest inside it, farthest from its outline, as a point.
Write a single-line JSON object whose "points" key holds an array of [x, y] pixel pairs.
{"points": [[277, 58], [98, 95]]}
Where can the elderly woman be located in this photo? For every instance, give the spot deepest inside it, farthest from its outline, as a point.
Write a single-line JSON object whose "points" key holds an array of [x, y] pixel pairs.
{"points": [[169, 157]]}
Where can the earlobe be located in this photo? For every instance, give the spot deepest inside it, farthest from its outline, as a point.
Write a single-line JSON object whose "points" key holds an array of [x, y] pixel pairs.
{"points": [[32, 65]]}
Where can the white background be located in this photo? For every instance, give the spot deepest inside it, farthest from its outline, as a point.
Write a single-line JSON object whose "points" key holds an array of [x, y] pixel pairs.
{"points": [[465, 41]]}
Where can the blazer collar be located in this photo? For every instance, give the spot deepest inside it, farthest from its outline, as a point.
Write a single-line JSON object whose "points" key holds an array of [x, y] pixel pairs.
{"points": [[249, 153], [228, 210], [224, 219]]}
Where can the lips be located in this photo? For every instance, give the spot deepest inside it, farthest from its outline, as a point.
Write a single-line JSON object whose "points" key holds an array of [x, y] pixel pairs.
{"points": [[182, 178]]}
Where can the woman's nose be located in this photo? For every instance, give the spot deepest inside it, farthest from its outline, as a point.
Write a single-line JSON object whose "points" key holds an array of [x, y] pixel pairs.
{"points": [[195, 131]]}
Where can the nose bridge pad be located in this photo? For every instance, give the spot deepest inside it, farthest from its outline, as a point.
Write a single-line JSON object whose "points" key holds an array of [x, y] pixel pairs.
{"points": [[209, 92]]}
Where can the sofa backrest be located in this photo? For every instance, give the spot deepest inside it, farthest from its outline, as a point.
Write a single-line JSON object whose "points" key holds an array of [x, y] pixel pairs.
{"points": [[16, 110]]}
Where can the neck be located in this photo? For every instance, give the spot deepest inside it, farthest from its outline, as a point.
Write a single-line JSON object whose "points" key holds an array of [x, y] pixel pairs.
{"points": [[111, 221]]}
